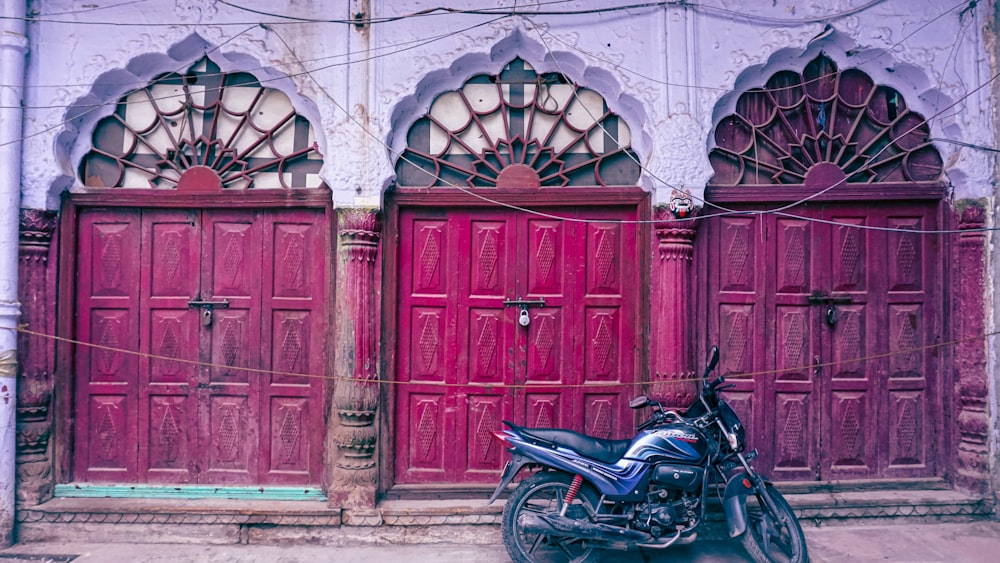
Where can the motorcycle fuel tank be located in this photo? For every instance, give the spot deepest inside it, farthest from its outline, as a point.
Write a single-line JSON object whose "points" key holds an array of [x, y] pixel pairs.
{"points": [[670, 442]]}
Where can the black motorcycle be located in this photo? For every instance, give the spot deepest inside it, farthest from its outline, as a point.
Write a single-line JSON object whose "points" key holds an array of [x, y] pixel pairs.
{"points": [[588, 494]]}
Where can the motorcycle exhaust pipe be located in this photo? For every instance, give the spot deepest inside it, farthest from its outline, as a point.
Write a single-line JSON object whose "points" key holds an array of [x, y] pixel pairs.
{"points": [[553, 524]]}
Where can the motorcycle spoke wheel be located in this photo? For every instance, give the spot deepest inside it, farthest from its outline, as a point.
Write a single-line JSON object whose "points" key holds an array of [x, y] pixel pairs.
{"points": [[773, 536], [543, 493]]}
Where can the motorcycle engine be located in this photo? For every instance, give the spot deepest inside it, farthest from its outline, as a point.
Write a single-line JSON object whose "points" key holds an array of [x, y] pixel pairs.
{"points": [[664, 512]]}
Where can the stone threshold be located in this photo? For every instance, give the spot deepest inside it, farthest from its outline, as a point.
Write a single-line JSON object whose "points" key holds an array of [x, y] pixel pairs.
{"points": [[417, 521]]}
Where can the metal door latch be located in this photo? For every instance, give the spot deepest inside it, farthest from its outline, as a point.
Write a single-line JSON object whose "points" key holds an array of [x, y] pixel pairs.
{"points": [[523, 319], [818, 297], [206, 308]]}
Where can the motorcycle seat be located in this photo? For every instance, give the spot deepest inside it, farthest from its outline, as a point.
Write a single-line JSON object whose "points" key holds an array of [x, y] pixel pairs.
{"points": [[605, 451]]}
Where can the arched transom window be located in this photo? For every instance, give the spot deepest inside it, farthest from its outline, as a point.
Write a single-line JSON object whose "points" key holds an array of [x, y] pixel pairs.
{"points": [[820, 127], [203, 130], [518, 130]]}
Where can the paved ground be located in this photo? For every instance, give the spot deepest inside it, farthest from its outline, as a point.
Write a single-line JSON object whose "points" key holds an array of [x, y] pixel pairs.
{"points": [[975, 542]]}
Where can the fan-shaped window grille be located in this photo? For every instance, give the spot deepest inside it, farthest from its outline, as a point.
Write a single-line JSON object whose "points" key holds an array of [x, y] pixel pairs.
{"points": [[820, 127], [518, 129], [203, 130]]}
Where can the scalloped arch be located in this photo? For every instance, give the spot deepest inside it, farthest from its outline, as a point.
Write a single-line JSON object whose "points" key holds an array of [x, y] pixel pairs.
{"points": [[821, 126], [805, 119], [499, 120], [90, 113]]}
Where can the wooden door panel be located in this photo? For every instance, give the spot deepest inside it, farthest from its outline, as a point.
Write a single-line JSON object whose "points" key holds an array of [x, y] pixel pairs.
{"points": [[456, 268], [549, 258], [230, 455], [602, 414], [794, 245], [162, 420], [424, 456], [852, 440], [547, 340], [424, 281], [483, 454], [292, 310], [106, 429], [911, 316], [231, 272], [289, 421], [608, 267], [545, 257], [852, 419], [485, 338], [545, 410], [855, 270], [170, 264]]}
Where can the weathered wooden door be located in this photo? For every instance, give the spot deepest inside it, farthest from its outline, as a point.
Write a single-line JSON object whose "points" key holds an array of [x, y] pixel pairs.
{"points": [[795, 301], [465, 363], [200, 293]]}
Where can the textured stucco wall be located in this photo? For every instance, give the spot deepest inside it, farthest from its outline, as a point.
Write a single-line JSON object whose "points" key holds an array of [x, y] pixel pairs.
{"points": [[668, 70], [992, 34]]}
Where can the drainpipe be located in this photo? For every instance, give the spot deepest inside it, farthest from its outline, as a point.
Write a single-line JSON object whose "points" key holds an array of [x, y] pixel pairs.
{"points": [[13, 47]]}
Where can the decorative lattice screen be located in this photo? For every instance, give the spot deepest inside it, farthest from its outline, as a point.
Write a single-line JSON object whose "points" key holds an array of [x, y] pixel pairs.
{"points": [[518, 129], [823, 122], [203, 130]]}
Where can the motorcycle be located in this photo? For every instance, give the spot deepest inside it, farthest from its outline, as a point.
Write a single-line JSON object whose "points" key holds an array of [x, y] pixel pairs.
{"points": [[585, 494]]}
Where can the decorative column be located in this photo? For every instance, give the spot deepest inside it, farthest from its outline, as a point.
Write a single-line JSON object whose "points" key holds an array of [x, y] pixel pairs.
{"points": [[356, 391], [36, 355], [672, 303], [971, 383]]}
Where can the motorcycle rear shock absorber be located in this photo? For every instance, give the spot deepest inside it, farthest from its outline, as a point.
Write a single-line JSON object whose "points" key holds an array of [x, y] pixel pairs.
{"points": [[571, 493]]}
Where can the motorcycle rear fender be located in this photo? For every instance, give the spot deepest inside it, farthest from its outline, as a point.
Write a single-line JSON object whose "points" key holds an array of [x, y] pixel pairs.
{"points": [[510, 471], [734, 502]]}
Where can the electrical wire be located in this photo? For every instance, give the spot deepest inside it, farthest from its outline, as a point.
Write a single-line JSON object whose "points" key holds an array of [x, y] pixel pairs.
{"points": [[443, 10], [591, 55], [96, 8], [87, 109], [543, 214], [309, 72], [784, 208], [410, 46], [763, 89]]}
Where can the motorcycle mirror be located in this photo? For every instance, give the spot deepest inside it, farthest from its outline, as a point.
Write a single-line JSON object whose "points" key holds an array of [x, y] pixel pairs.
{"points": [[638, 402], [713, 359]]}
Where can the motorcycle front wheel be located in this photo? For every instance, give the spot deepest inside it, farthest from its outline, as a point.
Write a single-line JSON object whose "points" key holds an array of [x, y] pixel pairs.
{"points": [[773, 537], [543, 493]]}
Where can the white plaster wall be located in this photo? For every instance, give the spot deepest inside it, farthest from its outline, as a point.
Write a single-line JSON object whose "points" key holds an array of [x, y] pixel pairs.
{"points": [[666, 70]]}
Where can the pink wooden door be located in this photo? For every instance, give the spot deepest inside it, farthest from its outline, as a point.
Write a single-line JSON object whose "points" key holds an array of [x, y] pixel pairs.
{"points": [[164, 421], [457, 267], [800, 299]]}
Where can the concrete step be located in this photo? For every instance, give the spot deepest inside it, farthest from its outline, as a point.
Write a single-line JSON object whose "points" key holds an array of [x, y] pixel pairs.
{"points": [[468, 521]]}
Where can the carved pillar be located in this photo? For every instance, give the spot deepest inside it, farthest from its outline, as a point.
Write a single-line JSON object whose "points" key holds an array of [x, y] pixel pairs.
{"points": [[36, 356], [971, 383], [672, 303], [356, 391]]}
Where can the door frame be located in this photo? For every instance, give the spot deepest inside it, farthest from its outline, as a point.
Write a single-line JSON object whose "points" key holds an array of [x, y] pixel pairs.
{"points": [[942, 401], [63, 377], [399, 198]]}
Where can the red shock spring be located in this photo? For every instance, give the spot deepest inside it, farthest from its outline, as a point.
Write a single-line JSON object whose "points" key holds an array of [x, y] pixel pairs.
{"points": [[574, 488]]}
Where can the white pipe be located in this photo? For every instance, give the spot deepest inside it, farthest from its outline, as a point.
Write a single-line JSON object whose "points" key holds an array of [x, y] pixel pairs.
{"points": [[13, 47]]}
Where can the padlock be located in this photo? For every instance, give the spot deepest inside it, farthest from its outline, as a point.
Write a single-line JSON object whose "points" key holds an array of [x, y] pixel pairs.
{"points": [[206, 316], [524, 319]]}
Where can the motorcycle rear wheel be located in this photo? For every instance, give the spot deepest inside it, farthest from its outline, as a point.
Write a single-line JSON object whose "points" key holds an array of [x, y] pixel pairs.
{"points": [[544, 493], [773, 537]]}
